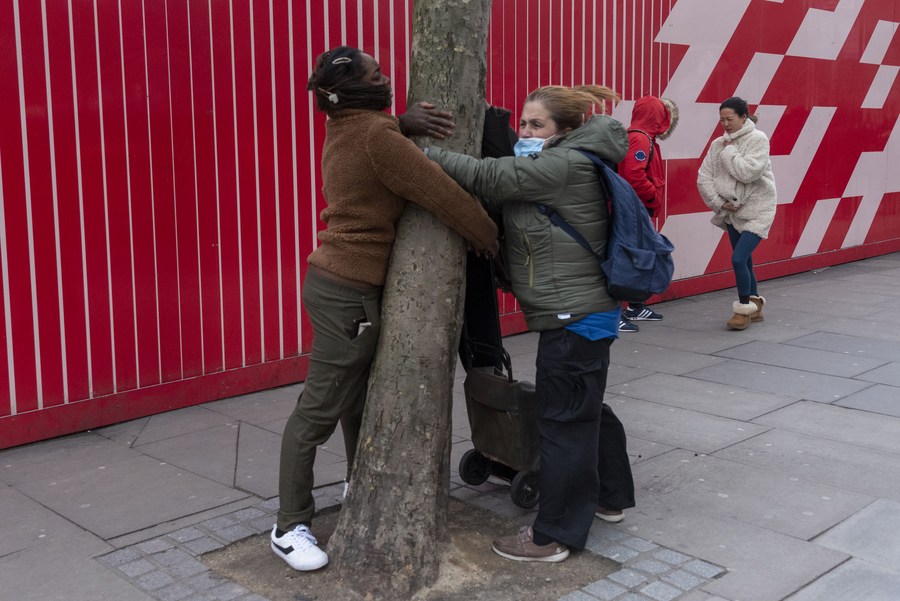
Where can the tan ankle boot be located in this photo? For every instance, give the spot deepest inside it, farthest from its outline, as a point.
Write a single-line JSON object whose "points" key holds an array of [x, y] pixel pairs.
{"points": [[741, 318], [760, 302]]}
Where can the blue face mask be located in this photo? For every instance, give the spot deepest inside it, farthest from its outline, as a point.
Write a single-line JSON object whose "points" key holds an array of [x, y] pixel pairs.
{"points": [[528, 146]]}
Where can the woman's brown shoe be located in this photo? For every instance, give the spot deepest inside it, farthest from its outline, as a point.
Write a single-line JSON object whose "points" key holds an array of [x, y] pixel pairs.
{"points": [[760, 302], [741, 318]]}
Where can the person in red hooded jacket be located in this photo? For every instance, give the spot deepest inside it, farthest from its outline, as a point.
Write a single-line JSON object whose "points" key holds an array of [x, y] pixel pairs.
{"points": [[651, 119]]}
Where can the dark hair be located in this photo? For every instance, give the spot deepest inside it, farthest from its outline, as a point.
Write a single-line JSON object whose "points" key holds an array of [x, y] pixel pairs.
{"points": [[739, 106], [337, 83]]}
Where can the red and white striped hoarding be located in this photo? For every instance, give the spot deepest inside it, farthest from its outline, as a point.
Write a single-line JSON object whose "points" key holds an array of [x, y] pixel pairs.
{"points": [[159, 186]]}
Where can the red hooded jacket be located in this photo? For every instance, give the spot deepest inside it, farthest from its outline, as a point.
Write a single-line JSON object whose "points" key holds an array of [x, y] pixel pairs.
{"points": [[642, 167]]}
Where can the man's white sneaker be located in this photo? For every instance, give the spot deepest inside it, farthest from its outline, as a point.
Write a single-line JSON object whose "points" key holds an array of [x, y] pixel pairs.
{"points": [[298, 548]]}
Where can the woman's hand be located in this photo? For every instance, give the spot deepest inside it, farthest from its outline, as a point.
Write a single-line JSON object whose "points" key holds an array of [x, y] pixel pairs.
{"points": [[423, 119], [729, 206], [493, 251]]}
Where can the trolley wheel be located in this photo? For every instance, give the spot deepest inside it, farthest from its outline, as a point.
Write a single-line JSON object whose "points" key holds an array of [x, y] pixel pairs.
{"points": [[474, 468], [524, 489]]}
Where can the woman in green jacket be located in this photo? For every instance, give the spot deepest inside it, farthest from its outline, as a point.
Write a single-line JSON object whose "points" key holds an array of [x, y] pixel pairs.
{"points": [[562, 292]]}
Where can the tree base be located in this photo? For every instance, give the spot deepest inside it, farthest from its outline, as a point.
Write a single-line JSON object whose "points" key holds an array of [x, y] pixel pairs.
{"points": [[470, 570]]}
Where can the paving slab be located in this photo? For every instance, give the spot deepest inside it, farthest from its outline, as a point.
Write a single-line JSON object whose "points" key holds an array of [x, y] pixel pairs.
{"points": [[64, 573], [129, 495], [841, 295], [837, 423], [762, 565], [617, 373], [848, 467], [675, 427], [860, 346], [852, 581], [26, 524], [179, 422], [60, 456], [839, 363], [641, 450], [851, 326], [256, 469], [888, 373], [888, 316], [879, 398], [655, 358], [259, 407], [124, 433], [276, 426], [676, 337], [709, 485], [209, 453], [870, 535], [700, 395], [707, 315], [780, 380]]}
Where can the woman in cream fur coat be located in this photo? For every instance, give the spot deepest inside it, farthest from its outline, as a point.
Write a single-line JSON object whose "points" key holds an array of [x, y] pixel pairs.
{"points": [[736, 182]]}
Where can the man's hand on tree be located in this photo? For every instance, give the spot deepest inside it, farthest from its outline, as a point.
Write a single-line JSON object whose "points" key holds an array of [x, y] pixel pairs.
{"points": [[423, 119]]}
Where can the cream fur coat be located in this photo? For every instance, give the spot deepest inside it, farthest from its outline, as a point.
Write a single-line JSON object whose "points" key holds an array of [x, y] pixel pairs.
{"points": [[740, 173]]}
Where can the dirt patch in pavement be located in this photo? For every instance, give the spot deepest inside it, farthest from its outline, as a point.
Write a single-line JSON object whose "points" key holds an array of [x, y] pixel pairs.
{"points": [[471, 571]]}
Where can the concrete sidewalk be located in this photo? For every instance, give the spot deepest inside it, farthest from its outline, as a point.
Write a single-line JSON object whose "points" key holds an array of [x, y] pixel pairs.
{"points": [[767, 464]]}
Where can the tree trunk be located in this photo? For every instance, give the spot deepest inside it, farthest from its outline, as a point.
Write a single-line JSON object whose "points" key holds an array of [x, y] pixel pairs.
{"points": [[392, 531]]}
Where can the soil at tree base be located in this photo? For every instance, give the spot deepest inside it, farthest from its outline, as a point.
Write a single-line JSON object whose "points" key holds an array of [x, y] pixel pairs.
{"points": [[470, 571]]}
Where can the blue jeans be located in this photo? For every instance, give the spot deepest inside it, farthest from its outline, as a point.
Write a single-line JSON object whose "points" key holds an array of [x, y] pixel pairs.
{"points": [[742, 246]]}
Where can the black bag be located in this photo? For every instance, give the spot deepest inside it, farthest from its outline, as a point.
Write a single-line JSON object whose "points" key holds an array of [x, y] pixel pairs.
{"points": [[503, 417], [502, 411]]}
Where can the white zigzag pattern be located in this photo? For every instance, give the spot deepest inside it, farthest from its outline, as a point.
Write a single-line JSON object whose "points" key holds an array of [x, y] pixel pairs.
{"points": [[706, 26]]}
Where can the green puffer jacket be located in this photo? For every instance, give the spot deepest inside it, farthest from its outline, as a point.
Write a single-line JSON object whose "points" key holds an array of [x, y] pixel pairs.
{"points": [[555, 280]]}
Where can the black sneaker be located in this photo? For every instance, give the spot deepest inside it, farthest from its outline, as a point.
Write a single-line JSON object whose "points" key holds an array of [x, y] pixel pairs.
{"points": [[642, 314], [627, 326]]}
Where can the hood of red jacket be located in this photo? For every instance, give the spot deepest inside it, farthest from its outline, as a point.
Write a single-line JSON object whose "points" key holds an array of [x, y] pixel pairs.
{"points": [[655, 116]]}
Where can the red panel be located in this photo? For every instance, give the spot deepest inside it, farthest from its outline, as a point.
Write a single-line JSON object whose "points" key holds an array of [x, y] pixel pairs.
{"points": [[268, 209], [287, 198], [305, 36], [94, 198], [247, 192], [205, 152], [43, 230], [887, 222], [12, 167], [68, 204], [837, 229], [334, 29], [226, 155], [186, 188], [5, 390], [164, 193], [349, 19], [142, 191], [118, 205]]}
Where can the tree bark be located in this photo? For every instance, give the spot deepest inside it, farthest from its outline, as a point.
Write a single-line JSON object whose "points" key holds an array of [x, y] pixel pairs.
{"points": [[392, 531]]}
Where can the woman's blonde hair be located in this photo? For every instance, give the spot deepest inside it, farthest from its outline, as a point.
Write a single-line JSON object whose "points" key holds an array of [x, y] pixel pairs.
{"points": [[569, 107]]}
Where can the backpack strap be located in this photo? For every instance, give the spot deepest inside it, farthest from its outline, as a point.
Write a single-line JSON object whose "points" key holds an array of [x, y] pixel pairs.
{"points": [[554, 217], [650, 138], [558, 221]]}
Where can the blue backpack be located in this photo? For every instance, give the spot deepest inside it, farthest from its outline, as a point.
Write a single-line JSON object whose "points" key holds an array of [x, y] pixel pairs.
{"points": [[638, 261]]}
